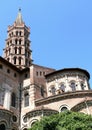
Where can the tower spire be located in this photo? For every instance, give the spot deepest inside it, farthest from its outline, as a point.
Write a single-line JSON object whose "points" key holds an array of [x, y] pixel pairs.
{"points": [[19, 19]]}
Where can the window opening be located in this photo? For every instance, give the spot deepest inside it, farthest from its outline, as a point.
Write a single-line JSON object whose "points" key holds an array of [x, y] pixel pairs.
{"points": [[19, 50], [26, 99], [73, 86], [15, 75], [36, 73], [15, 60], [64, 109], [15, 50], [20, 42], [20, 33], [8, 71], [82, 86], [62, 87], [42, 91], [2, 127], [1, 67], [52, 90], [16, 33], [13, 99], [19, 60]]}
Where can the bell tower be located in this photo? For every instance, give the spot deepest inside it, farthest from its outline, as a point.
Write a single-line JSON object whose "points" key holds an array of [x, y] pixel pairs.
{"points": [[17, 49]]}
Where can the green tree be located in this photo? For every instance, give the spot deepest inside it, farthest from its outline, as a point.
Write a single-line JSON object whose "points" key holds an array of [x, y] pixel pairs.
{"points": [[64, 121]]}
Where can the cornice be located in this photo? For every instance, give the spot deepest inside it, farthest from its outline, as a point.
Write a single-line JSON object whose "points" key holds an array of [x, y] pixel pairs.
{"points": [[63, 96]]}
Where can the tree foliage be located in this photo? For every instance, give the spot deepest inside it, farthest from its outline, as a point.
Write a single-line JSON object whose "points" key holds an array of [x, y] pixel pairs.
{"points": [[64, 121]]}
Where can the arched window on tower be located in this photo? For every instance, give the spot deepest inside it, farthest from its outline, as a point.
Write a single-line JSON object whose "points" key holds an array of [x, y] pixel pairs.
{"points": [[16, 33], [15, 50], [9, 51], [16, 41], [19, 41], [10, 42], [26, 99], [28, 54], [15, 60], [13, 99], [19, 60], [7, 44], [20, 33], [19, 50]]}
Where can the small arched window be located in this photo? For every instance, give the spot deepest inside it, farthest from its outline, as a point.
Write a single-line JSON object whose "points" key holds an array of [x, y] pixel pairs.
{"points": [[2, 127], [73, 86], [64, 108], [42, 91], [26, 99], [20, 33], [19, 60], [13, 99], [15, 60], [15, 50], [52, 90], [33, 122], [16, 33], [19, 50], [82, 86], [16, 41], [62, 87], [11, 41], [19, 41]]}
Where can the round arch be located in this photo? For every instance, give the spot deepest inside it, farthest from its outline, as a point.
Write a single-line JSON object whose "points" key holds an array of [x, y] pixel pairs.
{"points": [[62, 86], [3, 125], [25, 129], [33, 122], [64, 108]]}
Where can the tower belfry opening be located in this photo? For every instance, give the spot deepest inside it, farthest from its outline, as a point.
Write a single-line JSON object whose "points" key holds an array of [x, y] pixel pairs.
{"points": [[17, 50]]}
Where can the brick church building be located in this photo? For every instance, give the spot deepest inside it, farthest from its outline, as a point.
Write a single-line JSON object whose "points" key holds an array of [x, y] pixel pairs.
{"points": [[29, 91]]}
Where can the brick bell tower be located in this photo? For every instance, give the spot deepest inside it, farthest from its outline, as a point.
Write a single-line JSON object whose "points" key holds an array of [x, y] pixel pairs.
{"points": [[17, 50]]}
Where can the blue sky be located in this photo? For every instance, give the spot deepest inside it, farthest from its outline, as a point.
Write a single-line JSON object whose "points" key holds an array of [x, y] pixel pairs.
{"points": [[61, 30]]}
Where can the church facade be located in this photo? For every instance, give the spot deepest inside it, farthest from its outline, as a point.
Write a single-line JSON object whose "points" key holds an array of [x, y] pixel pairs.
{"points": [[29, 91]]}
